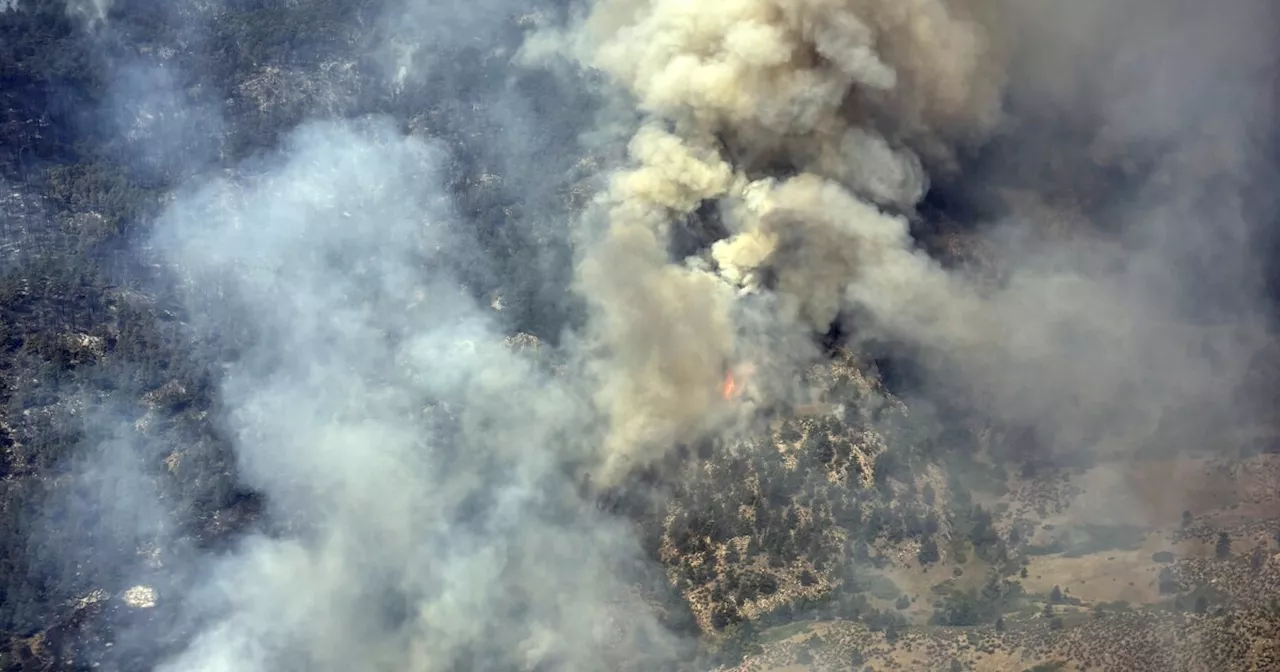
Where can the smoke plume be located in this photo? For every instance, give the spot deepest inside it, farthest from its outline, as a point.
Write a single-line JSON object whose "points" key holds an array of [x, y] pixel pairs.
{"points": [[418, 457], [807, 126], [835, 92], [423, 464]]}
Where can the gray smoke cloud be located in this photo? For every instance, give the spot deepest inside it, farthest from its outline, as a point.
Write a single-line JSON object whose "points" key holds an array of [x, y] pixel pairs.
{"points": [[1096, 336], [1131, 307], [728, 91], [416, 457]]}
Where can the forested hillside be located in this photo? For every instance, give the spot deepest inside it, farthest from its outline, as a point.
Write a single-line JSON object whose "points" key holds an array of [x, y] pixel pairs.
{"points": [[402, 334]]}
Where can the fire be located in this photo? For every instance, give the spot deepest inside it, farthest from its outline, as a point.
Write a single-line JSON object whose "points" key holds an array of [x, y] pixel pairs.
{"points": [[737, 381], [729, 387]]}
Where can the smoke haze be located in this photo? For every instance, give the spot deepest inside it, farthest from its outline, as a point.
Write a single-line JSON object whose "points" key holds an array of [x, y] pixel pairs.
{"points": [[416, 455], [429, 467]]}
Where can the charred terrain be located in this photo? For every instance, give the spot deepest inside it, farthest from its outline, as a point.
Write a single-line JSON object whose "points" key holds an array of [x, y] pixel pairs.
{"points": [[639, 335]]}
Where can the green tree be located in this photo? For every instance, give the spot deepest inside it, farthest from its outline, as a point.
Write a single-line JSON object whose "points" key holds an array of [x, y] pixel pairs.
{"points": [[967, 608], [740, 641], [1223, 548], [724, 616], [928, 552], [983, 533]]}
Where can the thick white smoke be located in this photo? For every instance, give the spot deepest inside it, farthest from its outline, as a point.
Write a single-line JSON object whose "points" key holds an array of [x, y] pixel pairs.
{"points": [[416, 459]]}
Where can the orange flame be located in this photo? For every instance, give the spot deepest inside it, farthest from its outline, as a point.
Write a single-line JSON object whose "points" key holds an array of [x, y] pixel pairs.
{"points": [[729, 386]]}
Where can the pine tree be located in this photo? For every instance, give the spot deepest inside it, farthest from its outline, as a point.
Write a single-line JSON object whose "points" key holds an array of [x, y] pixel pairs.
{"points": [[928, 552], [1223, 547]]}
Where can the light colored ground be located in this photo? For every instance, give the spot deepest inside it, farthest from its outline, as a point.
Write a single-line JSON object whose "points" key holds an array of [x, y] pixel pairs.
{"points": [[1148, 493]]}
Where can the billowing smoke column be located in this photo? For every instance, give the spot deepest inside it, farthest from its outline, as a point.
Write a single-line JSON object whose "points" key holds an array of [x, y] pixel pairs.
{"points": [[835, 93], [807, 124]]}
